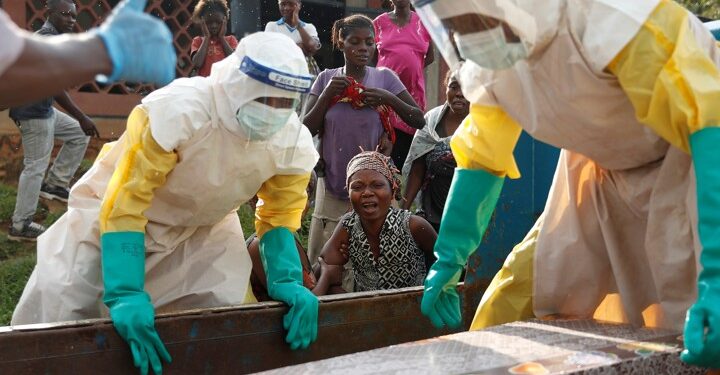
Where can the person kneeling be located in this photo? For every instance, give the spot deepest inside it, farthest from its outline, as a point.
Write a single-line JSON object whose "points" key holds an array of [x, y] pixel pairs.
{"points": [[389, 247]]}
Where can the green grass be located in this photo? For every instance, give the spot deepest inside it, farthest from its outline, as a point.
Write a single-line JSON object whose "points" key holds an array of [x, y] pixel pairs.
{"points": [[14, 274], [247, 221], [7, 202]]}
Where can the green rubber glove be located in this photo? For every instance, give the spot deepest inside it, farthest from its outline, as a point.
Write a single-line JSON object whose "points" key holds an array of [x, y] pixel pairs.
{"points": [[284, 279], [470, 203], [702, 324], [132, 314]]}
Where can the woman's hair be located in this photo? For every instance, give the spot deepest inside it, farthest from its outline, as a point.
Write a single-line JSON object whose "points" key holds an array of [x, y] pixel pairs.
{"points": [[204, 7], [342, 27]]}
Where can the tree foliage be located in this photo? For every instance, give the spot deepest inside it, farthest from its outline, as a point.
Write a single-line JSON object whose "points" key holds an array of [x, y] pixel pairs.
{"points": [[705, 8]]}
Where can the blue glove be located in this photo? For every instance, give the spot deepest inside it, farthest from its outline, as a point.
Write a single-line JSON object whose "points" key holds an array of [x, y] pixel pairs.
{"points": [[140, 46], [132, 314], [284, 279], [470, 203], [702, 325]]}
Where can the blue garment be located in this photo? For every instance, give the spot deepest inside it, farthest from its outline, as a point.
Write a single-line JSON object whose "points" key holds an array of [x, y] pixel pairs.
{"points": [[281, 21], [41, 109]]}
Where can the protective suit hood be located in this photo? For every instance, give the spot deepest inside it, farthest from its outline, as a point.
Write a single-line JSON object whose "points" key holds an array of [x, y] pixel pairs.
{"points": [[603, 26], [534, 21], [263, 65], [234, 84]]}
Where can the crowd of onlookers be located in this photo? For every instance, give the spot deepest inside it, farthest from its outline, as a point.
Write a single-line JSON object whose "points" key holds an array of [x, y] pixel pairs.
{"points": [[370, 120]]}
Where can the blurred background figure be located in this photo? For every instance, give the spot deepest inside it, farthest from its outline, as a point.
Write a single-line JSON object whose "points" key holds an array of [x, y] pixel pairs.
{"points": [[39, 125], [404, 46], [430, 164], [302, 33], [213, 45]]}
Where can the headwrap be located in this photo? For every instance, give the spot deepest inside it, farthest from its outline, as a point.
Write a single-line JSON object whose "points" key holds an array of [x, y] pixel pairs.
{"points": [[377, 162], [353, 94]]}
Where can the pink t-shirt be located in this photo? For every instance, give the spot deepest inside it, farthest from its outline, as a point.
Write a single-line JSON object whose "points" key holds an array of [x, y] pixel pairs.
{"points": [[403, 50]]}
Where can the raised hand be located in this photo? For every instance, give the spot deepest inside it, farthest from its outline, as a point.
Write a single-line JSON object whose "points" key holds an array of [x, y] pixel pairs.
{"points": [[139, 45]]}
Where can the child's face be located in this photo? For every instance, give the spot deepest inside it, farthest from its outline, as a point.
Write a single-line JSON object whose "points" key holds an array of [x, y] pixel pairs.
{"points": [[288, 8], [370, 194], [359, 46], [214, 22]]}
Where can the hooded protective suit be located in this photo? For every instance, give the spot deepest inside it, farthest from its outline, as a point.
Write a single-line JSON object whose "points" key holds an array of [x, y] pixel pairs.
{"points": [[177, 175], [621, 86]]}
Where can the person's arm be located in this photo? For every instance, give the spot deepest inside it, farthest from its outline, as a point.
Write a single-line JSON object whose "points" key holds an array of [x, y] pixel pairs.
{"points": [[257, 268], [227, 48], [332, 256], [424, 235], [414, 181], [198, 58], [403, 104], [376, 27], [309, 43], [317, 106], [87, 125], [47, 66], [330, 278], [129, 45], [674, 85], [483, 148], [281, 202], [429, 55], [142, 168]]}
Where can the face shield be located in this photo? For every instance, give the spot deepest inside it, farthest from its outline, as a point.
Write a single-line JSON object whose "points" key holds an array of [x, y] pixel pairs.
{"points": [[259, 86], [494, 34], [265, 115]]}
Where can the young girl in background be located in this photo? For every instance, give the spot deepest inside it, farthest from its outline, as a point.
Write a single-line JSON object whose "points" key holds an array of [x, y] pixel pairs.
{"points": [[213, 45]]}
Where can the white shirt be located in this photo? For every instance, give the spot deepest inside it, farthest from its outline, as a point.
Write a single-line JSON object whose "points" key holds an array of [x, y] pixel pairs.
{"points": [[280, 26], [11, 42]]}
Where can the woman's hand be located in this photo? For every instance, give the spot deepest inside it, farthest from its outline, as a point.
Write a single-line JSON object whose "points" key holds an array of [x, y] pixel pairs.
{"points": [[204, 29], [375, 97], [336, 86], [223, 29], [295, 20]]}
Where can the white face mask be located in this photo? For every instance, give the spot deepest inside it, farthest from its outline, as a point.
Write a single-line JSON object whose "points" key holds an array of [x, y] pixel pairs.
{"points": [[489, 49], [260, 121]]}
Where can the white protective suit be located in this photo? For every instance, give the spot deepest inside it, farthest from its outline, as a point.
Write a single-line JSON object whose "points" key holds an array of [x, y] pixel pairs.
{"points": [[195, 249], [621, 214]]}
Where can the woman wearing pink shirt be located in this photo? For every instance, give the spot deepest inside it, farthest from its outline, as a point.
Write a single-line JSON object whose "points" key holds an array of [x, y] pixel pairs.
{"points": [[403, 45]]}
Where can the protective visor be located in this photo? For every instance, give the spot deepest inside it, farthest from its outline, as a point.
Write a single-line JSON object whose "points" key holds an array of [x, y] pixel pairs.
{"points": [[275, 78], [467, 30]]}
